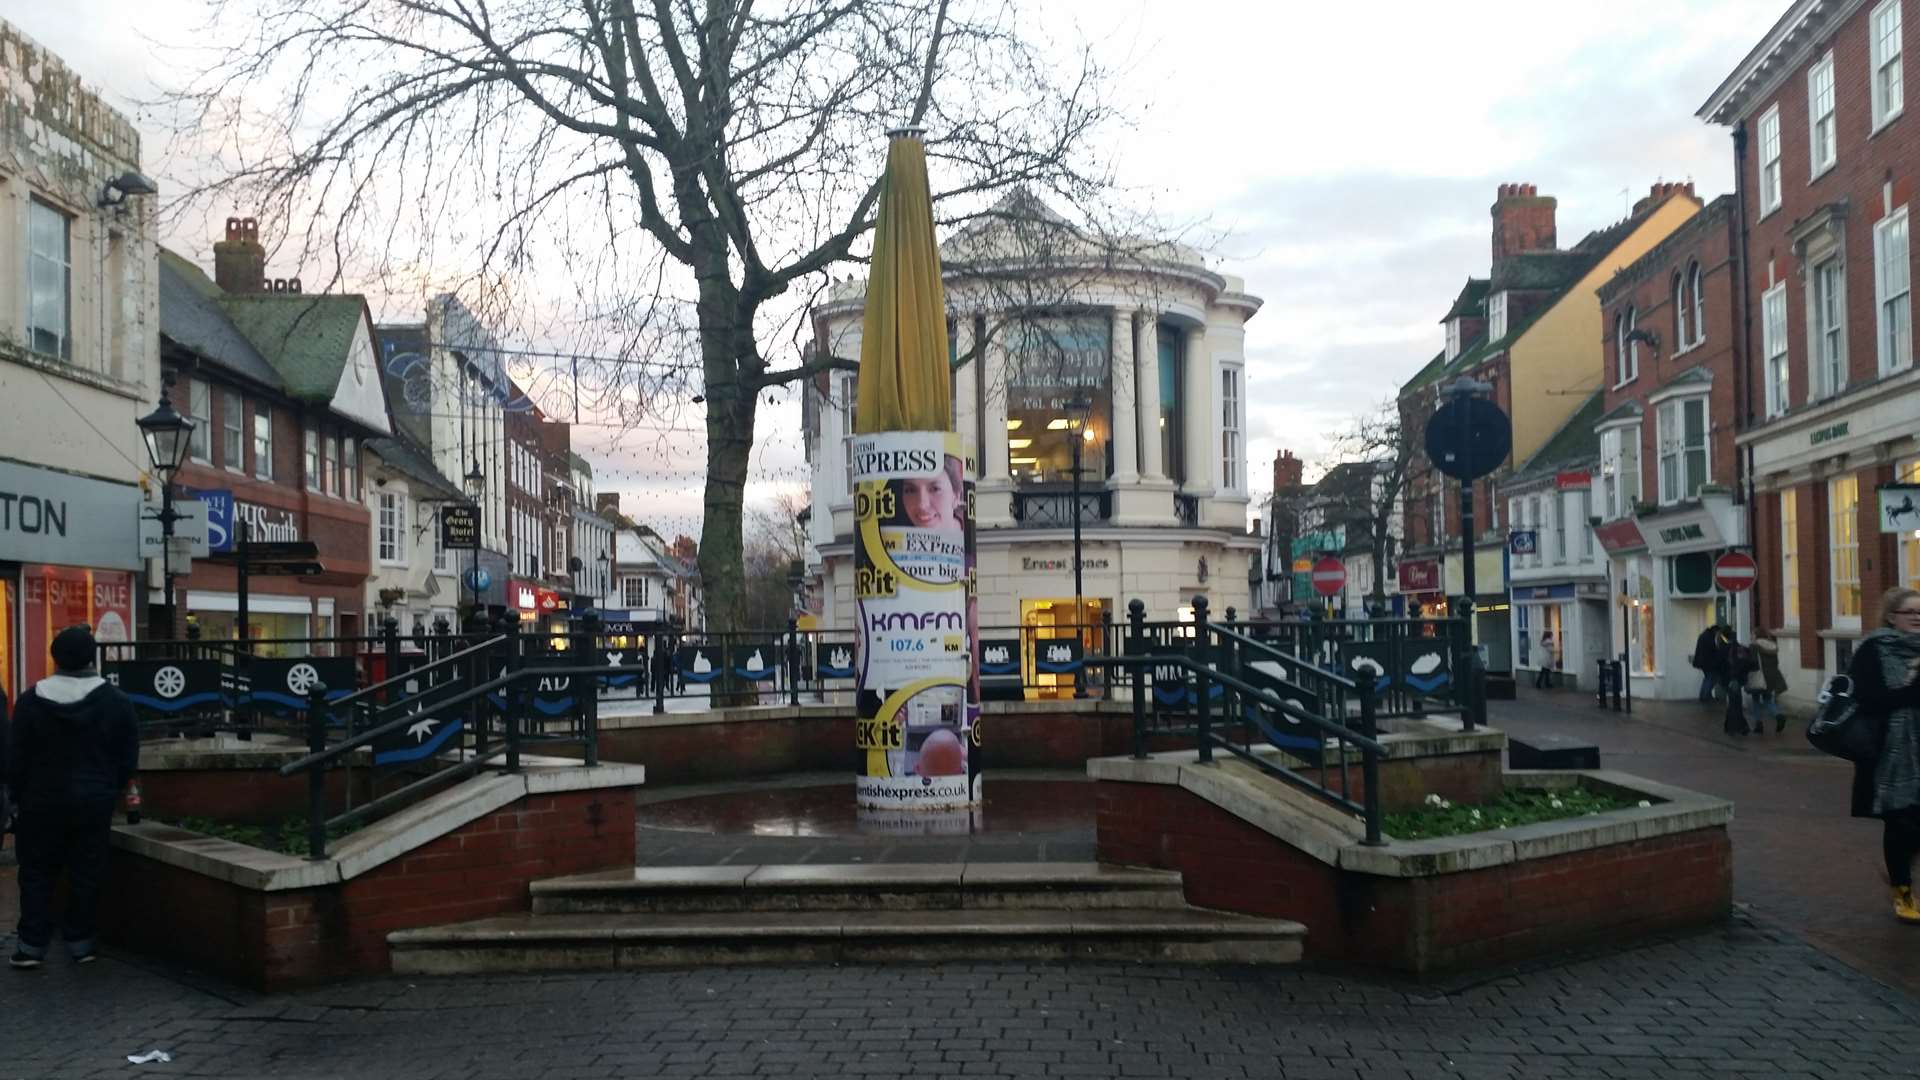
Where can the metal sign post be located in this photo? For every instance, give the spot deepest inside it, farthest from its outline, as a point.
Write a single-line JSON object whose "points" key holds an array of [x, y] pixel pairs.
{"points": [[1466, 439]]}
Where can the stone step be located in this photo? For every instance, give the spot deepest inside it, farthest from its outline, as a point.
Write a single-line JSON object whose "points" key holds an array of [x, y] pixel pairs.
{"points": [[548, 943], [861, 887]]}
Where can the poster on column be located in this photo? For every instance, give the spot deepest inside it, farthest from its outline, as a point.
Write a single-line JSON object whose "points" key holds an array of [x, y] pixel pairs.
{"points": [[918, 700]]}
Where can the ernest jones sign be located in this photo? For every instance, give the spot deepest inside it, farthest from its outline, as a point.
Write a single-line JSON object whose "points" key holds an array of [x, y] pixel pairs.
{"points": [[60, 518]]}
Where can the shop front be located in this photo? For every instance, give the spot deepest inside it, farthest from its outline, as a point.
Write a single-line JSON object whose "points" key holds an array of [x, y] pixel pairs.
{"points": [[68, 548], [1663, 590], [1562, 627], [1423, 591], [1492, 614], [287, 615]]}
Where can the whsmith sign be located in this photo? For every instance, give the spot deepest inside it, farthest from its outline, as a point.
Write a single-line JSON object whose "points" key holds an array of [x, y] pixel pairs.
{"points": [[56, 517]]}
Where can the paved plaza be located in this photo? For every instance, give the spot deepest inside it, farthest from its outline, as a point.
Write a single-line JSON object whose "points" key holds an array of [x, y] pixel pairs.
{"points": [[1810, 979]]}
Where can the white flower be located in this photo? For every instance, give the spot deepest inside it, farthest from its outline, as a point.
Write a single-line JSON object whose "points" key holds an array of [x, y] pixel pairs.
{"points": [[1557, 804], [1476, 815], [1435, 800], [1644, 804]]}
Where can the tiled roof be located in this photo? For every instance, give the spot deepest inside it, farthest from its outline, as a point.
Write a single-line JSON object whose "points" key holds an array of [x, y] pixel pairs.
{"points": [[191, 317], [306, 337], [418, 466]]}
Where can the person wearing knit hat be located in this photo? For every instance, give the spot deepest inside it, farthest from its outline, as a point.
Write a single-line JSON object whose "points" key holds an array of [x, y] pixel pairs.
{"points": [[73, 749]]}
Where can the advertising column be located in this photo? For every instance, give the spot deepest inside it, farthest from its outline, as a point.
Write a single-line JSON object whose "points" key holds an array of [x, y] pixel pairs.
{"points": [[913, 564]]}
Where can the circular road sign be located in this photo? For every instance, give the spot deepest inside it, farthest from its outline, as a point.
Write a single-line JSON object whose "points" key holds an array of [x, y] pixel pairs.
{"points": [[1469, 438], [1735, 571], [1329, 576]]}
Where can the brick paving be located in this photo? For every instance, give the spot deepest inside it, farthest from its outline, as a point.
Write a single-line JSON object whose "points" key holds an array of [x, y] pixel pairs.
{"points": [[1745, 1001], [1799, 860]]}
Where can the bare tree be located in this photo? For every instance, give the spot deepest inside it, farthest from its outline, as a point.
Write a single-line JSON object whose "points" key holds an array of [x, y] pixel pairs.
{"points": [[1382, 440], [680, 166]]}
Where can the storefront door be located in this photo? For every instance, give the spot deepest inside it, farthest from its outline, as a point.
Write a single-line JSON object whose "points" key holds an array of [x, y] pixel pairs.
{"points": [[1051, 620]]}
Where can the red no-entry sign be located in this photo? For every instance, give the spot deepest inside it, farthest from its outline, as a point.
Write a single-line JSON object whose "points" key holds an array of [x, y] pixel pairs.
{"points": [[1735, 571], [1329, 576]]}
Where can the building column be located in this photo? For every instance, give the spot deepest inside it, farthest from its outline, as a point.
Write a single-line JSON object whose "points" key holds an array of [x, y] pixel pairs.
{"points": [[966, 414], [993, 502], [1201, 422], [1146, 392], [1124, 380]]}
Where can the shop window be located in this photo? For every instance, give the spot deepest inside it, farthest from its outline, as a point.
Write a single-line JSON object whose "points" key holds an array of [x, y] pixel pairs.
{"points": [[1058, 367], [233, 431], [1843, 532], [1909, 537], [1620, 470], [1642, 648], [1523, 635], [49, 280], [1790, 556]]}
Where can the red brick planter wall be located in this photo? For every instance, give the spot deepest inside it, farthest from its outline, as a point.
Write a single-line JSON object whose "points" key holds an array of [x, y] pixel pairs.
{"points": [[1476, 918], [302, 936], [243, 796]]}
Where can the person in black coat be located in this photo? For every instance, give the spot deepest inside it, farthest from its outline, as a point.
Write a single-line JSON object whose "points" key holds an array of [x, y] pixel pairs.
{"points": [[74, 746], [1706, 657], [1886, 689]]}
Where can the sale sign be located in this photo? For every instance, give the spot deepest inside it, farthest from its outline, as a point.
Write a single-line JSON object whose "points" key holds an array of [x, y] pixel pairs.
{"points": [[56, 597], [917, 628]]}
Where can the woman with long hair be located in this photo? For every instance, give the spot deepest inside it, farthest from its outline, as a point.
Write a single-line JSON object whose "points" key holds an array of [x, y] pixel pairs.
{"points": [[1886, 689]]}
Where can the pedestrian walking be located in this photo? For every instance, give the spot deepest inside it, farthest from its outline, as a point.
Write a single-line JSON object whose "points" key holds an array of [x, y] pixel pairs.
{"points": [[73, 748], [1765, 684], [1549, 662], [1735, 662], [1706, 658], [1886, 689]]}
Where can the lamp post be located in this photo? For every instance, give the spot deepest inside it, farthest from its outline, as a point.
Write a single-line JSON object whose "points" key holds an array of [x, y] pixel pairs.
{"points": [[1078, 435], [168, 435], [476, 484], [606, 563]]}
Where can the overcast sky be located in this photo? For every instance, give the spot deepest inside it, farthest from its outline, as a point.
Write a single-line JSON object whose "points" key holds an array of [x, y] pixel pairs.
{"points": [[1348, 154]]}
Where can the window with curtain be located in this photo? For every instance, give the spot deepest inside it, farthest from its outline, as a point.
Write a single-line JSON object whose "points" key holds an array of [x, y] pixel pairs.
{"points": [[1697, 286], [390, 529], [349, 469], [1790, 556], [1889, 81], [1843, 540], [1773, 332], [1892, 288], [49, 280], [1627, 352], [200, 411], [1823, 146]]}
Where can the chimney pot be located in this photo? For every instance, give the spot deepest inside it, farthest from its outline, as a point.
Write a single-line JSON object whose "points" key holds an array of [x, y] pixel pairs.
{"points": [[1523, 221], [239, 262]]}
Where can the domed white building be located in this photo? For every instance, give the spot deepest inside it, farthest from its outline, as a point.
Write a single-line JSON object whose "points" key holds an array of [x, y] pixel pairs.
{"points": [[1135, 349]]}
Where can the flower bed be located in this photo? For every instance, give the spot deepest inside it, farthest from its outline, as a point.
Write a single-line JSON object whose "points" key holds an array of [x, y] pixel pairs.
{"points": [[1515, 806], [287, 837]]}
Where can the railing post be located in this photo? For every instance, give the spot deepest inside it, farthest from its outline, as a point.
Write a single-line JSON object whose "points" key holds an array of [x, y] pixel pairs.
{"points": [[515, 695], [793, 662], [1202, 688], [390, 645], [317, 775], [1137, 649], [1463, 676], [1369, 761], [1622, 686], [1231, 712], [662, 663], [589, 652]]}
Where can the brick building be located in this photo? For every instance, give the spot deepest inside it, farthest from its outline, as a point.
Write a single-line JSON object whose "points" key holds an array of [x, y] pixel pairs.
{"points": [[1667, 494], [1825, 166]]}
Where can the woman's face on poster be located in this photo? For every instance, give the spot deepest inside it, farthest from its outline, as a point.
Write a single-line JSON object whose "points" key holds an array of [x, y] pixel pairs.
{"points": [[930, 501]]}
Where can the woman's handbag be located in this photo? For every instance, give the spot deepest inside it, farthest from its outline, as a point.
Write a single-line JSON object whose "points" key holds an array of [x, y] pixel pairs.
{"points": [[1840, 728]]}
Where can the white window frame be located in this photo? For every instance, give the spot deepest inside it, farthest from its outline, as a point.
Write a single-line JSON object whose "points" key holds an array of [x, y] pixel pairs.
{"points": [[1557, 508], [1627, 353], [390, 529], [1790, 557], [263, 441], [1682, 323], [1769, 159], [1453, 338], [330, 466], [1893, 310], [442, 558], [1497, 316], [1233, 403], [1827, 332], [1610, 472], [1823, 150], [1907, 568], [1584, 525], [1843, 550], [233, 430], [200, 410], [1534, 520], [48, 267], [1773, 335], [1677, 482], [310, 442], [1887, 78], [1696, 284]]}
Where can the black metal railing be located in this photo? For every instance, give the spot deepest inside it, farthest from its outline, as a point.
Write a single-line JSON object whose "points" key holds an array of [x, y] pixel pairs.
{"points": [[1186, 510], [1054, 509]]}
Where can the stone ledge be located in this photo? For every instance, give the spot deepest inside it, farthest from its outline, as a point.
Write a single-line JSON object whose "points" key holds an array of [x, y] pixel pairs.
{"points": [[378, 843], [1334, 838], [264, 752]]}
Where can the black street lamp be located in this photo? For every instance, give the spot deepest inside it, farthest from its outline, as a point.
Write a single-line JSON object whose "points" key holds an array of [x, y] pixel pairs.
{"points": [[1078, 435], [168, 436], [605, 562], [476, 484]]}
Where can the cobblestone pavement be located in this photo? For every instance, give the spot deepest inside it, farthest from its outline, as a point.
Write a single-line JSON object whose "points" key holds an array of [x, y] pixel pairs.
{"points": [[1746, 1001], [1799, 860]]}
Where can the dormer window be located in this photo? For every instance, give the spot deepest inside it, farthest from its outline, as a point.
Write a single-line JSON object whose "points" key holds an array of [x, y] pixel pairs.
{"points": [[1453, 338], [1497, 317]]}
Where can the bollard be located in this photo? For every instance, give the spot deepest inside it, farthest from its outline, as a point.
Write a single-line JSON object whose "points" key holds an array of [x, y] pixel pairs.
{"points": [[1137, 647], [1369, 762], [1203, 656], [793, 663], [317, 775], [590, 710]]}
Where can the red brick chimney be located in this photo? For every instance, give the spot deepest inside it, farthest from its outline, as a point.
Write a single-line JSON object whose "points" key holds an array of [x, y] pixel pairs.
{"points": [[1523, 220], [1660, 193], [239, 262], [607, 501], [1287, 470]]}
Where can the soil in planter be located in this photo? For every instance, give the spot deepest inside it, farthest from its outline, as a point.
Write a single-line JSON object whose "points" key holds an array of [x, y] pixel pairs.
{"points": [[1514, 807], [289, 837]]}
